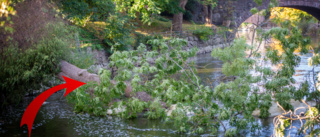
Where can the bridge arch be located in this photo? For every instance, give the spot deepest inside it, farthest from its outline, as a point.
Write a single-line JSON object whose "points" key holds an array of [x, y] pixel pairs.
{"points": [[310, 6]]}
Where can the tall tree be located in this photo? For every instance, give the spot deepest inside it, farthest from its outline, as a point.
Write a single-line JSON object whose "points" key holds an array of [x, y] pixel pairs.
{"points": [[178, 17], [208, 5]]}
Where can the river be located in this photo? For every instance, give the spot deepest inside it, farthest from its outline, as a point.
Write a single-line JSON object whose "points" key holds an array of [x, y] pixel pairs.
{"points": [[56, 117]]}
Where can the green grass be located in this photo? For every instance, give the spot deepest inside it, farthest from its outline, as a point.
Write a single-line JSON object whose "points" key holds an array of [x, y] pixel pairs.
{"points": [[163, 26]]}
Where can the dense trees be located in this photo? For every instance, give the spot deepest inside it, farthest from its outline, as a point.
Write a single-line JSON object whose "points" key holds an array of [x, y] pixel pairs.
{"points": [[82, 11]]}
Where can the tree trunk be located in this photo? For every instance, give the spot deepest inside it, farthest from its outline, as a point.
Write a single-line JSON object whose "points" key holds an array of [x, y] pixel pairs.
{"points": [[207, 14], [76, 73], [178, 18]]}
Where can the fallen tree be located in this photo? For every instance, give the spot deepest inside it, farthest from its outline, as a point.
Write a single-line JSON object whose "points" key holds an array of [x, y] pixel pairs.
{"points": [[83, 75]]}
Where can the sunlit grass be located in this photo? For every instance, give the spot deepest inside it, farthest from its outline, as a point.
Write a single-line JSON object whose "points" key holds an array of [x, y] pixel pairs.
{"points": [[158, 26]]}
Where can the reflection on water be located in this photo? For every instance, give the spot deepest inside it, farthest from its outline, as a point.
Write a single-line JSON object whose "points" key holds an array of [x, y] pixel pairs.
{"points": [[208, 69], [56, 118]]}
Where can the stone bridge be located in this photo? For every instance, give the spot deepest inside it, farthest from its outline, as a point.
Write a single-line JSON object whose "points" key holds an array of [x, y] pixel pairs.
{"points": [[234, 12]]}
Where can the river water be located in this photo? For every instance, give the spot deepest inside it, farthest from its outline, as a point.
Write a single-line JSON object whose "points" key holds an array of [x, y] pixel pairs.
{"points": [[56, 117]]}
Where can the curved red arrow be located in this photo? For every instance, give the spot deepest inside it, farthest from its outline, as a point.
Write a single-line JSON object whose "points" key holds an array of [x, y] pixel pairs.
{"points": [[34, 106]]}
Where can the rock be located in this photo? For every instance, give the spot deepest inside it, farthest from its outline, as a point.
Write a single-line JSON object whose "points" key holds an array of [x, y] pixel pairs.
{"points": [[119, 110], [172, 107], [218, 40], [109, 111], [100, 56], [192, 43], [189, 45], [275, 110], [116, 110], [189, 112], [195, 38], [217, 16], [45, 103], [210, 42], [95, 68]]}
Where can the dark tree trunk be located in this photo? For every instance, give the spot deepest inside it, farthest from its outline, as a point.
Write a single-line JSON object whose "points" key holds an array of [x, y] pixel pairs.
{"points": [[208, 13], [178, 18]]}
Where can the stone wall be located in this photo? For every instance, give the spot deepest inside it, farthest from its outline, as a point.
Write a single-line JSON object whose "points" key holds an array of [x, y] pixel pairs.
{"points": [[232, 13], [205, 46]]}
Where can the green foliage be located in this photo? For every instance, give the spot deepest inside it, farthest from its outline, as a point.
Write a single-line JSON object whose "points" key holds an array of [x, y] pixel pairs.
{"points": [[212, 3], [93, 98], [155, 110], [117, 32], [291, 39], [203, 33], [24, 70], [170, 79], [240, 95], [81, 11], [187, 15], [7, 10], [279, 129], [81, 59], [231, 132], [146, 8], [133, 107], [233, 58], [162, 19], [140, 38]]}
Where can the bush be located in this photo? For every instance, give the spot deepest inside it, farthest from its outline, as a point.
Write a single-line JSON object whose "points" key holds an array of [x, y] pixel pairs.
{"points": [[187, 15], [203, 33], [24, 70], [144, 39], [117, 32]]}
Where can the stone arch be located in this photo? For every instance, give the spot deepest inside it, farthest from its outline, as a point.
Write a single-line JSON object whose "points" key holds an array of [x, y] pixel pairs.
{"points": [[310, 6]]}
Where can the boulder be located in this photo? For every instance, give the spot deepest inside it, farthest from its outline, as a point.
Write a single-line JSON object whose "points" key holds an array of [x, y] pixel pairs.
{"points": [[275, 110]]}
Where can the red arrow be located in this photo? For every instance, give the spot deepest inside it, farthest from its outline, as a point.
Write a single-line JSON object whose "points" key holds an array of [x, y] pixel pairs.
{"points": [[34, 106]]}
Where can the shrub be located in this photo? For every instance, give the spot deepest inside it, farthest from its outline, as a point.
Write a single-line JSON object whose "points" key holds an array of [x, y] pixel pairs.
{"points": [[155, 110], [203, 33], [117, 32], [82, 12], [140, 38], [24, 70]]}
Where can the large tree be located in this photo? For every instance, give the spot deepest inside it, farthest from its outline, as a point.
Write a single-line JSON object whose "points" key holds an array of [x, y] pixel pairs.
{"points": [[208, 5], [178, 17]]}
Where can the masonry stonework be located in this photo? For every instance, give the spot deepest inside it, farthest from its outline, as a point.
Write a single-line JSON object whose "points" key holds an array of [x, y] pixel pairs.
{"points": [[233, 12]]}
